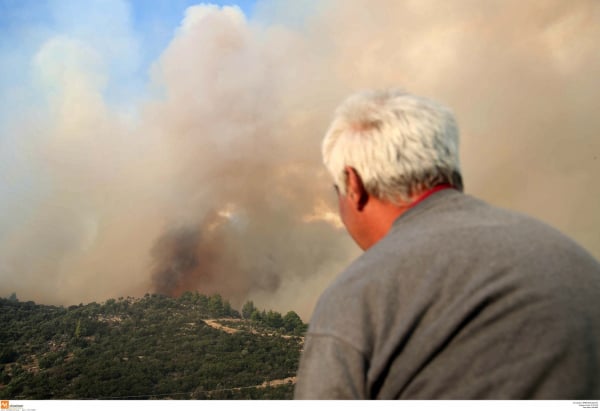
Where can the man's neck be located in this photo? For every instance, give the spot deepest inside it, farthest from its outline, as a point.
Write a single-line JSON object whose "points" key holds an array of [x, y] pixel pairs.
{"points": [[383, 214]]}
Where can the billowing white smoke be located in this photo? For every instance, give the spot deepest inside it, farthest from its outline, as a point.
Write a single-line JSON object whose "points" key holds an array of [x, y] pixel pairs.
{"points": [[214, 182]]}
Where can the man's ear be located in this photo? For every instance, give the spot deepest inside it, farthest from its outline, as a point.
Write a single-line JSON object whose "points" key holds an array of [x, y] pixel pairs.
{"points": [[356, 189]]}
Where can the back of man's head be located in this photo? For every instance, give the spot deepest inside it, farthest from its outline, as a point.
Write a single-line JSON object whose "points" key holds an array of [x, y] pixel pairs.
{"points": [[399, 144]]}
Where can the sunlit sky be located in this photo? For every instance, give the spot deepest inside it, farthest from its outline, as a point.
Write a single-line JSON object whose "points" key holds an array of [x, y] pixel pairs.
{"points": [[137, 30]]}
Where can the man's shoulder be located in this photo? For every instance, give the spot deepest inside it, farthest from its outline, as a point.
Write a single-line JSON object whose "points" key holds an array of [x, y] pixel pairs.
{"points": [[346, 288], [344, 307], [458, 214]]}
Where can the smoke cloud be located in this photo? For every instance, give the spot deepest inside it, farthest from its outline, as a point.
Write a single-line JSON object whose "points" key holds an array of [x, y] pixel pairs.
{"points": [[211, 178]]}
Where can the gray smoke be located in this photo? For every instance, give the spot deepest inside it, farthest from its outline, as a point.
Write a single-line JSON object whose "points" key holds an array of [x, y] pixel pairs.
{"points": [[214, 181]]}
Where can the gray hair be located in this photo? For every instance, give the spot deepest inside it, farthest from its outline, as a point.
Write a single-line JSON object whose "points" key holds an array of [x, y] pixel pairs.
{"points": [[399, 144]]}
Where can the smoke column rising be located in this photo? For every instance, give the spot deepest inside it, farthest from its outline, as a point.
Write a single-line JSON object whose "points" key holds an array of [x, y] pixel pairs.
{"points": [[215, 181]]}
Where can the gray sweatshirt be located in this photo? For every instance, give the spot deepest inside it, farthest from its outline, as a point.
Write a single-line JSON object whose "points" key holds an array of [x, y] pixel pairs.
{"points": [[460, 300]]}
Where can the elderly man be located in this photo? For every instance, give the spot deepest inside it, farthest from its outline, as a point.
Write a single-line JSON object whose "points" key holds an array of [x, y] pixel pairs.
{"points": [[452, 298]]}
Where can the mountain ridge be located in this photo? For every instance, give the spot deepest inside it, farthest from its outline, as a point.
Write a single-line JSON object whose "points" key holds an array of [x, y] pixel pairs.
{"points": [[154, 347]]}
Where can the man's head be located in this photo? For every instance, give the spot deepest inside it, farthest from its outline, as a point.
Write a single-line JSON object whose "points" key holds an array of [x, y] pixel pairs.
{"points": [[388, 147]]}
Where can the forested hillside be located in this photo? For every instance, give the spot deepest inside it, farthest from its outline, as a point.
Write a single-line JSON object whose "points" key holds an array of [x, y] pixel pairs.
{"points": [[155, 347]]}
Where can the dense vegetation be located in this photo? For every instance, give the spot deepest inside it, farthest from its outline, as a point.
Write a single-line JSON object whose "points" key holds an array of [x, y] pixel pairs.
{"points": [[149, 348]]}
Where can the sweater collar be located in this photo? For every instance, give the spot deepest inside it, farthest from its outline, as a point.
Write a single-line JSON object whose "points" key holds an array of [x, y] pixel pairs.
{"points": [[429, 192], [421, 203]]}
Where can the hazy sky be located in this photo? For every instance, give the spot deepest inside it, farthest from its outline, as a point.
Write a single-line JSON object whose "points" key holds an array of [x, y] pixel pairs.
{"points": [[160, 146]]}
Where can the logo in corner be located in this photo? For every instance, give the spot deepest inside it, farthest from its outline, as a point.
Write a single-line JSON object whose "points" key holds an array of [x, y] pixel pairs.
{"points": [[4, 404]]}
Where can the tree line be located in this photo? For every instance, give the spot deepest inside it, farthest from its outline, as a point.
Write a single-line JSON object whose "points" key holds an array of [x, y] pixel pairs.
{"points": [[150, 347]]}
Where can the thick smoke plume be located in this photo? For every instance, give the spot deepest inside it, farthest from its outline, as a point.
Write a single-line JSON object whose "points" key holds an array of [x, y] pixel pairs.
{"points": [[214, 181]]}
